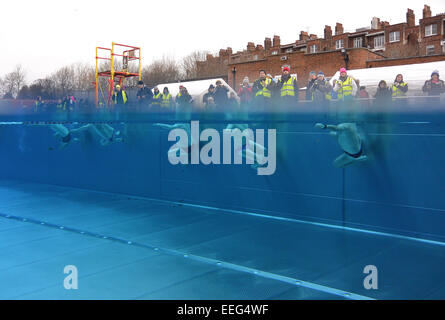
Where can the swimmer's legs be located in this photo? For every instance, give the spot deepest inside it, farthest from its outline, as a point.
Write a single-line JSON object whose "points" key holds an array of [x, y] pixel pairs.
{"points": [[240, 126], [344, 160], [164, 126], [252, 155], [83, 128], [185, 126], [59, 130]]}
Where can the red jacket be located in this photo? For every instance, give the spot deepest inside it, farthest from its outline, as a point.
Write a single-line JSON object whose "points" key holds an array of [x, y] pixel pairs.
{"points": [[245, 94]]}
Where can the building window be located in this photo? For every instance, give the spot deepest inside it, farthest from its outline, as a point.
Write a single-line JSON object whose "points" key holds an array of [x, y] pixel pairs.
{"points": [[379, 42], [429, 50], [358, 42], [255, 57], [340, 44], [431, 30], [394, 36], [289, 50], [274, 53], [313, 48]]}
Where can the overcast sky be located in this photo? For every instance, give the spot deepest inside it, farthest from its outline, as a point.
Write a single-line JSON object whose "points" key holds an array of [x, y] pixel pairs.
{"points": [[44, 35]]}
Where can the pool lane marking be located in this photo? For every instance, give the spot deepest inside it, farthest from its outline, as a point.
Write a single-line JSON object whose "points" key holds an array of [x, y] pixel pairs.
{"points": [[273, 217], [210, 261]]}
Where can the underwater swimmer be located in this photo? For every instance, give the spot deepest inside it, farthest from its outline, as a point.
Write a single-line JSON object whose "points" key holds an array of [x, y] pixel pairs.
{"points": [[65, 135], [106, 133], [254, 153], [251, 153], [349, 141], [186, 128]]}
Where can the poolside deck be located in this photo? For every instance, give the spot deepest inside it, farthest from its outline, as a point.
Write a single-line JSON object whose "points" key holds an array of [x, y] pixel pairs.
{"points": [[129, 248]]}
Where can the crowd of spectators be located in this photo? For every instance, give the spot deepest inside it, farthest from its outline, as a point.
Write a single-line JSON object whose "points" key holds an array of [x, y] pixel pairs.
{"points": [[265, 92]]}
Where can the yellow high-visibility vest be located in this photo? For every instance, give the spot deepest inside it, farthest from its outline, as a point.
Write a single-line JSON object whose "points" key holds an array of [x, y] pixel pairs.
{"points": [[166, 100], [124, 97], [345, 89], [396, 92], [265, 92], [157, 99], [288, 88]]}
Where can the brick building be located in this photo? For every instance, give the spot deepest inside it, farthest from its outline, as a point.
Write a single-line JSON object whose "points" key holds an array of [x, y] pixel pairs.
{"points": [[381, 44]]}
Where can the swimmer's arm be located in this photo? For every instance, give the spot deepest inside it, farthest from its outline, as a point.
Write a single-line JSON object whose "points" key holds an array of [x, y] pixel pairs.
{"points": [[80, 129], [326, 126]]}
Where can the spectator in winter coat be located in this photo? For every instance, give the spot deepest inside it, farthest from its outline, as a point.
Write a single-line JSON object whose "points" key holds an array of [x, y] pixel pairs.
{"points": [[311, 81], [383, 94], [434, 86], [167, 100], [320, 89], [363, 94], [144, 95], [119, 96], [232, 103], [221, 97], [262, 89], [156, 100], [287, 88], [399, 88], [245, 93], [210, 104], [345, 86], [183, 99], [210, 94]]}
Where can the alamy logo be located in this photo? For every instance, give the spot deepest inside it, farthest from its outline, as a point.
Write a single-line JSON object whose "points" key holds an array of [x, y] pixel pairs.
{"points": [[70, 281], [371, 280], [246, 145]]}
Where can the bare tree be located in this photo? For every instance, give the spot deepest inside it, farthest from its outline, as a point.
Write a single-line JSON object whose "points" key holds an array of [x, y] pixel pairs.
{"points": [[84, 75], [161, 71], [63, 80], [14, 81], [189, 64], [2, 90], [45, 88]]}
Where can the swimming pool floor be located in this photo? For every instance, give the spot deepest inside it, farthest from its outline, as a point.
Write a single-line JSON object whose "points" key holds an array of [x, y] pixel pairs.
{"points": [[127, 248]]}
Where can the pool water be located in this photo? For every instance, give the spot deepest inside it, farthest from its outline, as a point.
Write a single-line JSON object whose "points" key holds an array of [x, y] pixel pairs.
{"points": [[137, 227]]}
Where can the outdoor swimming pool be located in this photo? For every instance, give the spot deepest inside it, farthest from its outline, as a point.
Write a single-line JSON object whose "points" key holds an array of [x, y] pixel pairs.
{"points": [[137, 227]]}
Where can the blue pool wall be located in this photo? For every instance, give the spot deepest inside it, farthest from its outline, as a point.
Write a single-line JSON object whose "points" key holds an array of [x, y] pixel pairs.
{"points": [[400, 190]]}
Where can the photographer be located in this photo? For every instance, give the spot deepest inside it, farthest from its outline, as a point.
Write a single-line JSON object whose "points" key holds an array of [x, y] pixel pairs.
{"points": [[321, 89], [311, 81]]}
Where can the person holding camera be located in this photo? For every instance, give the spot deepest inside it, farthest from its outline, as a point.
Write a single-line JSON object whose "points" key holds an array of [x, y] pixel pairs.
{"points": [[320, 89], [311, 81], [245, 93]]}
